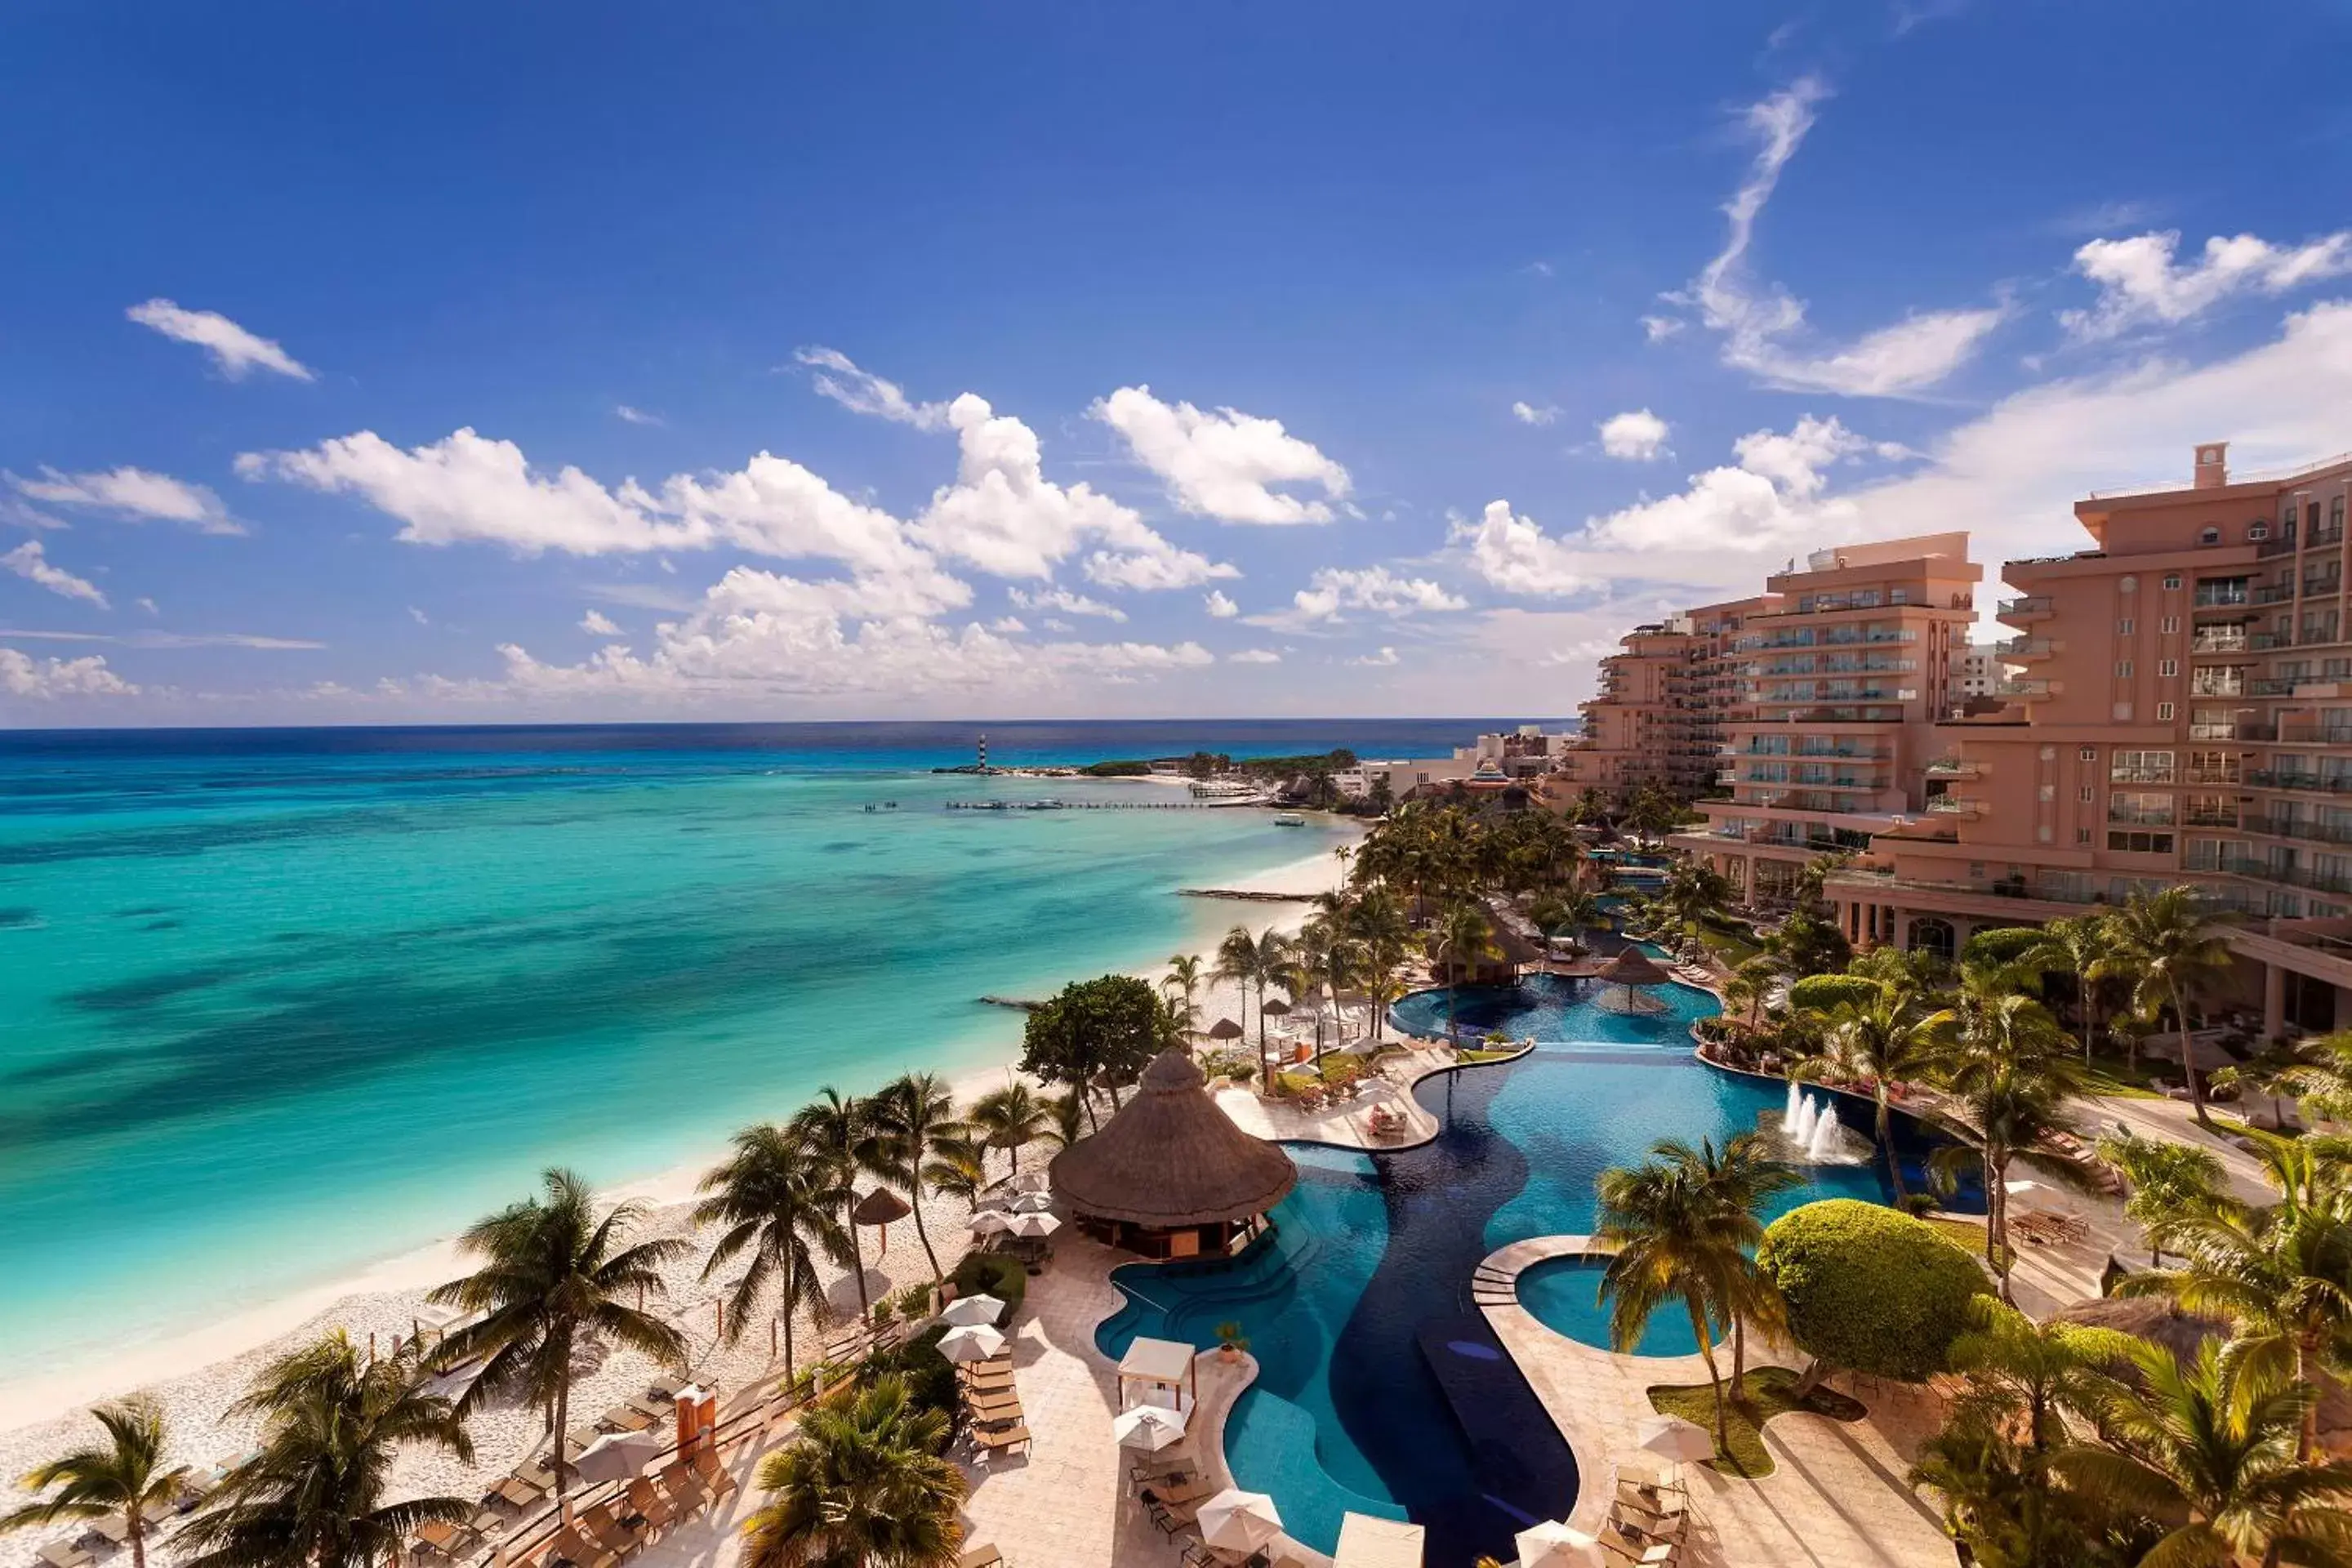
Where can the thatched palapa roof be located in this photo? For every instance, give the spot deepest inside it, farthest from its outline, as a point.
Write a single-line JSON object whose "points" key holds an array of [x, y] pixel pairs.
{"points": [[880, 1206], [1170, 1158], [1633, 967]]}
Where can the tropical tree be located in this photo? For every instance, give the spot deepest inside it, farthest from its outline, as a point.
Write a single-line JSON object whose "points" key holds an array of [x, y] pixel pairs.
{"points": [[1670, 1245], [1691, 892], [1246, 960], [555, 1277], [2281, 1274], [2075, 946], [916, 1114], [863, 1484], [2319, 1072], [1093, 1034], [124, 1476], [2024, 1379], [2211, 1448], [1881, 1042], [1738, 1182], [844, 1134], [1068, 1113], [1461, 939], [775, 1199], [956, 1168], [2007, 1075], [2166, 1180], [1011, 1119], [1183, 984], [313, 1494], [2172, 955], [1749, 986]]}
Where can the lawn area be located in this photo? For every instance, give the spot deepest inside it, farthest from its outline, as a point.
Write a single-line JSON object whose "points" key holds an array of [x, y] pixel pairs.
{"points": [[1730, 943], [1769, 1391], [2145, 1079]]}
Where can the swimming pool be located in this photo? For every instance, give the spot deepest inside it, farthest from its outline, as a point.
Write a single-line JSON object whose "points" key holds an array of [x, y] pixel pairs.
{"points": [[1549, 1007], [1563, 1294], [1381, 1388]]}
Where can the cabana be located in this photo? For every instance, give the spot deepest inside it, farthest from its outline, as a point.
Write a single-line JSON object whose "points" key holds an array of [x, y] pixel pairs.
{"points": [[1632, 972], [1170, 1175], [1165, 1365]]}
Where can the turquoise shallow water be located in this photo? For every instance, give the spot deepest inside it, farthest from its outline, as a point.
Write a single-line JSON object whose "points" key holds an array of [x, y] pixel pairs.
{"points": [[273, 1015]]}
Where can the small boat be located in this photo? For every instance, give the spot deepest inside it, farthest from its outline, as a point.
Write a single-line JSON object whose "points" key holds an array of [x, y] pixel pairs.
{"points": [[1289, 819]]}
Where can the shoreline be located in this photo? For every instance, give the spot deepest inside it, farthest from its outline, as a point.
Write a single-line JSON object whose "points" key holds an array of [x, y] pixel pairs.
{"points": [[200, 1371]]}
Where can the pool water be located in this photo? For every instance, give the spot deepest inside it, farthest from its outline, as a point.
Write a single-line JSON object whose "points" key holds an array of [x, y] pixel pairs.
{"points": [[1549, 1007], [1564, 1295], [1381, 1389]]}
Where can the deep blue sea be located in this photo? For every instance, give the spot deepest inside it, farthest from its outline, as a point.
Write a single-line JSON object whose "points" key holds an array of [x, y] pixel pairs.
{"points": [[275, 1004]]}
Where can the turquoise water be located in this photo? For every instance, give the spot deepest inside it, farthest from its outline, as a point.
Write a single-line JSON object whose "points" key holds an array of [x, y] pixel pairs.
{"points": [[1564, 1295], [273, 1013], [1381, 1386]]}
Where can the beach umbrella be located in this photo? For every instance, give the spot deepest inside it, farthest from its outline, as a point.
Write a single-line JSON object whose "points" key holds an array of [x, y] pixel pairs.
{"points": [[1672, 1438], [1277, 1009], [1236, 1521], [1035, 1225], [1224, 1030], [879, 1207], [970, 1312], [973, 1341], [1552, 1544], [990, 1222], [617, 1455], [1030, 1203], [1147, 1427]]}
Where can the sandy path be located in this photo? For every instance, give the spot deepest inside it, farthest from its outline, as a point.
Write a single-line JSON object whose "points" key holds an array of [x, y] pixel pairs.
{"points": [[196, 1376]]}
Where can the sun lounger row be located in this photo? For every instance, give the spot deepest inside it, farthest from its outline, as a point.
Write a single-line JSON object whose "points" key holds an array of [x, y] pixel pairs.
{"points": [[608, 1533], [1647, 1520], [993, 1404]]}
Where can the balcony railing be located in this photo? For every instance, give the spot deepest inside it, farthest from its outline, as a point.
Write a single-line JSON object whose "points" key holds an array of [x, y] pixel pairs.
{"points": [[2032, 604], [2219, 639], [2318, 784], [1954, 768], [2299, 828], [2128, 816], [2276, 594], [1954, 805], [2260, 641], [2292, 875], [2220, 596], [2305, 731]]}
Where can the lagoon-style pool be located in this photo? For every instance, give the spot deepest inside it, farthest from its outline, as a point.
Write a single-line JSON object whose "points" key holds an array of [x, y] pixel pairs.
{"points": [[1381, 1389]]}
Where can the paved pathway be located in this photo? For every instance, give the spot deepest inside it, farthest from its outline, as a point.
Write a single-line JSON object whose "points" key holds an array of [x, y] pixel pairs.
{"points": [[1836, 1498]]}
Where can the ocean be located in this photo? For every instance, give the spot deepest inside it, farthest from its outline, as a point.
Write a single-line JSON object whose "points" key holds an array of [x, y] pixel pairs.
{"points": [[277, 1004]]}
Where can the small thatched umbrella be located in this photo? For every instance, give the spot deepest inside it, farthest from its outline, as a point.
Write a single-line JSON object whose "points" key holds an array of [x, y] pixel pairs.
{"points": [[1277, 1008], [1634, 971], [1171, 1159], [878, 1208], [1225, 1029]]}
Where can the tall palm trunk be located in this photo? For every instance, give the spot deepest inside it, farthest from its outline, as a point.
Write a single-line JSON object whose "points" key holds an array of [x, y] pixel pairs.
{"points": [[1886, 1144], [924, 1236], [137, 1528], [1713, 1376], [556, 1440], [2188, 1062], [2307, 1438], [791, 1296], [858, 1251]]}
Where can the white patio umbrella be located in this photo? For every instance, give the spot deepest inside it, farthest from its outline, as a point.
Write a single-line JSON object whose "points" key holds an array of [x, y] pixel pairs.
{"points": [[618, 1456], [1035, 1225], [988, 1222], [1029, 1202], [1149, 1428], [969, 1311], [973, 1341], [1672, 1438], [1236, 1521], [1552, 1544]]}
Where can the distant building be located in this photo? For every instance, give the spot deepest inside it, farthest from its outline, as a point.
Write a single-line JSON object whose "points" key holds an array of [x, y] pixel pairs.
{"points": [[1979, 673]]}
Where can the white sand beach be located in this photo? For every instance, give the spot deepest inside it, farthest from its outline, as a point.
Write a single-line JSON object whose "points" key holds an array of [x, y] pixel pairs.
{"points": [[196, 1376]]}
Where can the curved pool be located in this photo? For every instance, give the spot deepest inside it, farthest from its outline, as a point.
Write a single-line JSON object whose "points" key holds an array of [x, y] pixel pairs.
{"points": [[1549, 1007], [1381, 1389], [1563, 1294]]}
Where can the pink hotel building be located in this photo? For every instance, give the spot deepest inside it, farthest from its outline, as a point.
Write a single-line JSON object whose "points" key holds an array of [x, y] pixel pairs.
{"points": [[2183, 713]]}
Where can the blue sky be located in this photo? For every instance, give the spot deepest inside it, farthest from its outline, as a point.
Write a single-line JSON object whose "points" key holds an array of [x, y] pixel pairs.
{"points": [[491, 362]]}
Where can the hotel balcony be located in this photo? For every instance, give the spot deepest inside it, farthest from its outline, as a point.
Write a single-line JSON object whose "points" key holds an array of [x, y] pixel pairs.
{"points": [[2037, 686], [2025, 650], [2284, 875], [2298, 828], [1954, 768], [2312, 784], [2275, 594], [2311, 732], [2233, 603], [2031, 607], [2212, 640], [1960, 805]]}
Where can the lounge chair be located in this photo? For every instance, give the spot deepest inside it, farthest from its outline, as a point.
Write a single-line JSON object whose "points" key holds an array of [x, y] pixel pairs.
{"points": [[655, 1509], [571, 1546], [626, 1418], [604, 1525], [449, 1540], [1196, 1555], [653, 1409], [984, 1555], [714, 1475], [66, 1555], [518, 1492], [1176, 1494], [997, 1442]]}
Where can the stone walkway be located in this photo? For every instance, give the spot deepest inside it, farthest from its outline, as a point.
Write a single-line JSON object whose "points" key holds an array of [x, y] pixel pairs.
{"points": [[1836, 1498], [1348, 1123]]}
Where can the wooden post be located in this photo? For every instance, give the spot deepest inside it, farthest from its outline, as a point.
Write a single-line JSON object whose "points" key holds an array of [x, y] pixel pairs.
{"points": [[771, 1338], [721, 1304]]}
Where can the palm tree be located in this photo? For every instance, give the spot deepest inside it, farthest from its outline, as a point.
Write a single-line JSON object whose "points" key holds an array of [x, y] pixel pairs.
{"points": [[2024, 1379], [1737, 1182], [1749, 986], [2172, 955], [1248, 961], [313, 1495], [1011, 1119], [1461, 939], [1670, 1245], [863, 1484], [846, 1135], [1881, 1042], [775, 1199], [1183, 979], [2076, 947], [2211, 1448], [1692, 891], [126, 1476], [554, 1277], [2166, 1179], [2007, 1078], [2281, 1274], [1068, 1111], [915, 1115], [957, 1169]]}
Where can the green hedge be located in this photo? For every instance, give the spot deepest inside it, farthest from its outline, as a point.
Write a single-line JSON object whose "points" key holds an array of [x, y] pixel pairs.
{"points": [[931, 1377], [1869, 1289], [996, 1274]]}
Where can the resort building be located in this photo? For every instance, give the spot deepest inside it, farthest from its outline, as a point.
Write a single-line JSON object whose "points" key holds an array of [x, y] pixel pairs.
{"points": [[1841, 681], [2184, 714], [1982, 675], [1658, 718]]}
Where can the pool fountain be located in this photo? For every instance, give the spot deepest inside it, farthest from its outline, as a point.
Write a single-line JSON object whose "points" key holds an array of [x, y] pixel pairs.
{"points": [[1814, 1134]]}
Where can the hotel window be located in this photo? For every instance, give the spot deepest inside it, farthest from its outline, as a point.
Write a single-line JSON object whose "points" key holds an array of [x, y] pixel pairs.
{"points": [[2082, 835], [2208, 536], [2167, 668], [2258, 531], [2088, 754], [2140, 843], [2141, 767], [2171, 626], [2172, 580], [2123, 669], [2086, 794], [2149, 806], [2164, 713], [2124, 627], [2336, 515]]}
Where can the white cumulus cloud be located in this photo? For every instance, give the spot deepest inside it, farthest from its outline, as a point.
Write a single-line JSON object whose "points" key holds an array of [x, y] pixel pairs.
{"points": [[1379, 659], [862, 392], [1219, 606], [1514, 554], [1223, 463], [628, 415], [1254, 656], [28, 561], [596, 623], [46, 679], [1636, 436], [1335, 590], [234, 351], [2141, 284], [135, 494], [1065, 601], [1528, 414]]}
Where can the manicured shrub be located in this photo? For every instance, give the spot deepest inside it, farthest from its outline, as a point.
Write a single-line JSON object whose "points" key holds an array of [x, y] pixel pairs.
{"points": [[1868, 1288], [993, 1274], [1291, 1085], [2001, 944], [1340, 1071], [931, 1377]]}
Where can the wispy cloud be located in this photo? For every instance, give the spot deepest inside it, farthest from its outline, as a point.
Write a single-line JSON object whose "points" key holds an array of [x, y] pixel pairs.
{"points": [[136, 495], [235, 352], [28, 561], [629, 415]]}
